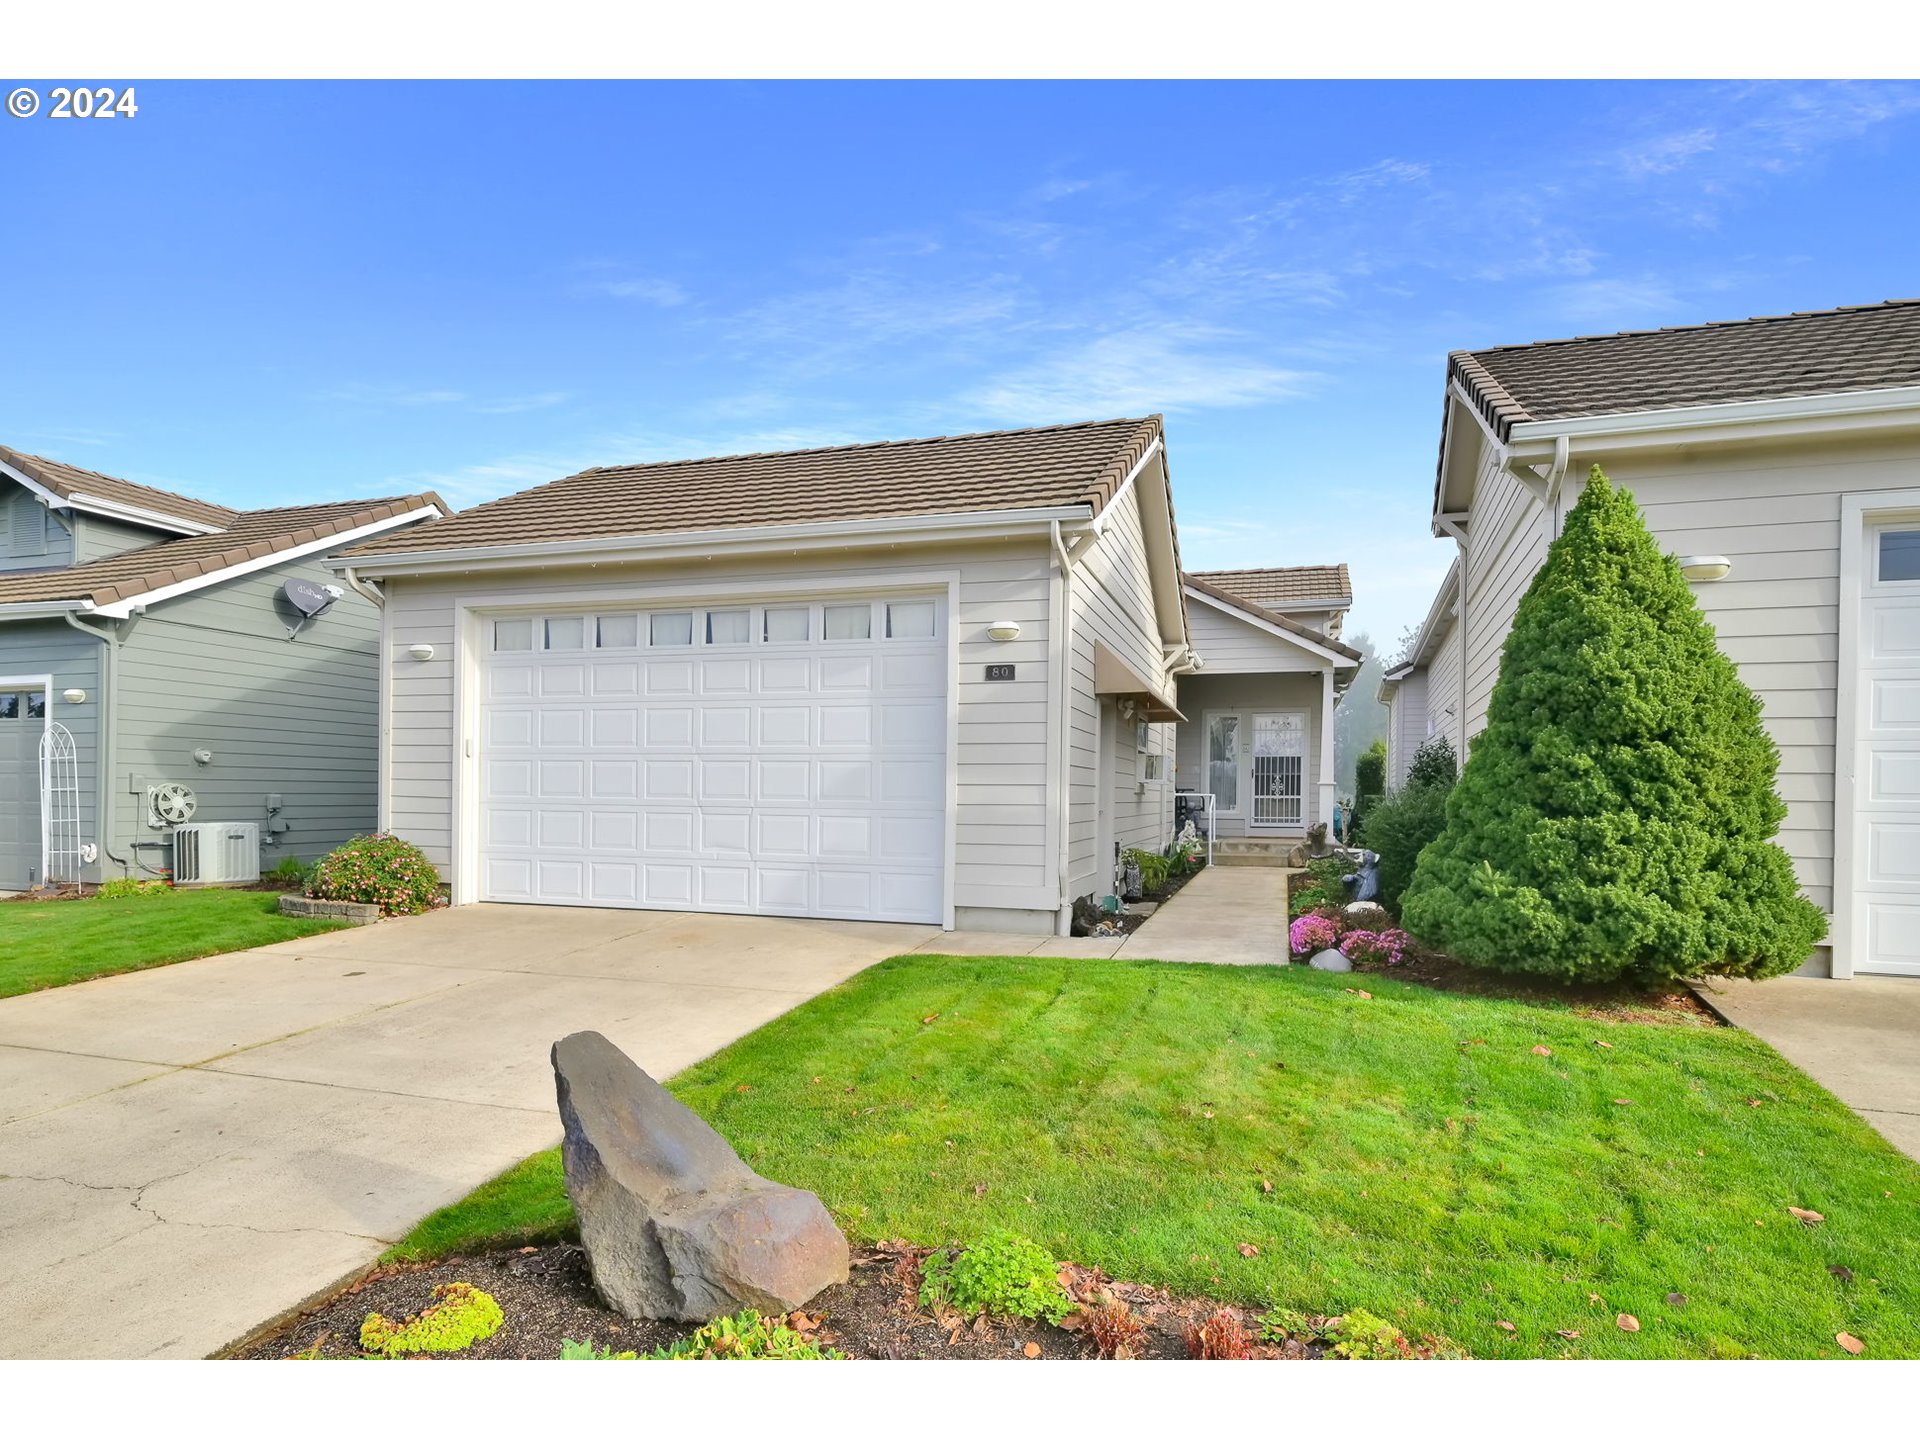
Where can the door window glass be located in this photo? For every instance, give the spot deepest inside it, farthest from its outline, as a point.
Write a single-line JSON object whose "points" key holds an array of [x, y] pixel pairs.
{"points": [[617, 632], [787, 623], [676, 629], [9, 707], [567, 632], [37, 705], [513, 634], [1899, 555], [849, 622], [909, 619], [1223, 761]]}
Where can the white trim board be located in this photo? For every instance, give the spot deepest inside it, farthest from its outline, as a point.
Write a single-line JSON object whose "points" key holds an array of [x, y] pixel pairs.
{"points": [[1332, 657], [109, 509]]}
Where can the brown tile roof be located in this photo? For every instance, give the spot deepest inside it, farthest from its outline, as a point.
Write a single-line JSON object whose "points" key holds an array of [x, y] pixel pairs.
{"points": [[1818, 352], [66, 481], [250, 535], [1291, 587], [1002, 470], [1259, 612]]}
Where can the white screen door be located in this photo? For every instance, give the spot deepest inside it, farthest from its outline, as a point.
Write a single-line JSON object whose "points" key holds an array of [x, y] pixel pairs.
{"points": [[1223, 762], [1279, 770]]}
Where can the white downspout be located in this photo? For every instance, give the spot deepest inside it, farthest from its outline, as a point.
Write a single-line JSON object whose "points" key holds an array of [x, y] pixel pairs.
{"points": [[1061, 654]]}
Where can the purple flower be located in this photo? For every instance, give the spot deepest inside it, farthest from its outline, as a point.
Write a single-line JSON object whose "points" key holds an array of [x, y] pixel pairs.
{"points": [[1312, 933]]}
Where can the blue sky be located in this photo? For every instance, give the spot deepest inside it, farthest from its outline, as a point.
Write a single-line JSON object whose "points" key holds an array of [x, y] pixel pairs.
{"points": [[272, 293]]}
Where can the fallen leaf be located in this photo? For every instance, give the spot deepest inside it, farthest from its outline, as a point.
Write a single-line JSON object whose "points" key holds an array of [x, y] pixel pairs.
{"points": [[1506, 1325], [1604, 1044], [741, 1089], [1841, 1273], [529, 1249], [1267, 1186], [979, 1189], [1853, 1345], [1568, 1334], [1592, 1299], [1249, 1250], [1756, 1103], [929, 1019], [1541, 1050], [1207, 1114], [1626, 1322], [1364, 994], [802, 1321], [1030, 1350], [817, 1079], [1806, 1217], [1076, 1321], [1675, 1298], [1623, 1102]]}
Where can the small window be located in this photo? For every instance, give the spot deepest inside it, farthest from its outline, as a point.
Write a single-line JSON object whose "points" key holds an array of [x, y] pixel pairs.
{"points": [[617, 632], [1151, 766], [848, 622], [37, 705], [9, 707], [1142, 734], [728, 627], [513, 635], [787, 624], [674, 629], [567, 632], [1899, 555], [909, 619]]}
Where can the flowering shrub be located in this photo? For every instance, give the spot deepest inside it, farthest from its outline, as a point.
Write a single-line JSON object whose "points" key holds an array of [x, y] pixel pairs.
{"points": [[381, 870], [1379, 947], [459, 1317], [1313, 933]]}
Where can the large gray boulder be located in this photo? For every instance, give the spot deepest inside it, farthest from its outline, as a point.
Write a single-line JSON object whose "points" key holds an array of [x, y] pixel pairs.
{"points": [[676, 1226]]}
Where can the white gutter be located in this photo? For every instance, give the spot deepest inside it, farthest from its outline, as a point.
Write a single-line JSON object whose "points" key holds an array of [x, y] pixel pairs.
{"points": [[365, 589], [1060, 657], [120, 609], [1888, 402], [42, 609], [899, 529]]}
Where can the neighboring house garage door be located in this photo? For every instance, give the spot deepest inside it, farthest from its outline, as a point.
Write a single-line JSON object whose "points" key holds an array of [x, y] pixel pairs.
{"points": [[1887, 797], [767, 759], [23, 720]]}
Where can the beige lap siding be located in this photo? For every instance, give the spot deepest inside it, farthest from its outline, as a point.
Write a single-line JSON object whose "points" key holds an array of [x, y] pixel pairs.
{"points": [[1112, 603], [1406, 725], [1001, 856]]}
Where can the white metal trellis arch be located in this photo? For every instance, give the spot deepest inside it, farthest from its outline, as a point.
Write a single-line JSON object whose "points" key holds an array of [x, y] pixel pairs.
{"points": [[59, 807]]}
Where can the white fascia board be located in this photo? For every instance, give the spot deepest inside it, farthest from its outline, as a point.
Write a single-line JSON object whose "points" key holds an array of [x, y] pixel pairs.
{"points": [[121, 609], [40, 609], [1811, 413], [1332, 657], [738, 540], [110, 509]]}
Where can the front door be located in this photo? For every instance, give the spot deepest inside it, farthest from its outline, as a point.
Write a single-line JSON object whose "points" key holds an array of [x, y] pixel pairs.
{"points": [[1279, 771], [23, 720], [1887, 776]]}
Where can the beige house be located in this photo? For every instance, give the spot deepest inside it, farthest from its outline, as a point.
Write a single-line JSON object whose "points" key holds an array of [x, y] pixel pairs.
{"points": [[1779, 459], [933, 680]]}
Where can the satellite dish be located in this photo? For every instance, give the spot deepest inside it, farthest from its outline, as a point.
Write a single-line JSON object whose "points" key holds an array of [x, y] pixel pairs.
{"points": [[309, 599]]}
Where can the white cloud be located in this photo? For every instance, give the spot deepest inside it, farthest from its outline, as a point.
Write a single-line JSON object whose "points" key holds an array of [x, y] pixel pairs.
{"points": [[1135, 372], [649, 290]]}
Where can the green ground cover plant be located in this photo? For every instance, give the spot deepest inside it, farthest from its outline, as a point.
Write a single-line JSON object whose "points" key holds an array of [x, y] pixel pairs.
{"points": [[59, 942], [1455, 1164]]}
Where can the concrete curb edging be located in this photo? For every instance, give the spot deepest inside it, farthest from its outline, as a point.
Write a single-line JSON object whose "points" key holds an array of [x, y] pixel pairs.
{"points": [[351, 911]]}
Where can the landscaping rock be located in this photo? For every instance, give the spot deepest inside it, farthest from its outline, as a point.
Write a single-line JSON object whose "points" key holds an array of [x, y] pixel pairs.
{"points": [[1367, 915], [351, 911], [1331, 960], [675, 1224]]}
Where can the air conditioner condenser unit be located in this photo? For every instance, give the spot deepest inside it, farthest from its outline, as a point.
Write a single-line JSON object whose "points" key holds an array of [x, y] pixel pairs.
{"points": [[216, 853]]}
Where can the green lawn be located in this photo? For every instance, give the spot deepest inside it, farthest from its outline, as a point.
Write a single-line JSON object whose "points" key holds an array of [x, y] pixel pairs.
{"points": [[1425, 1163], [57, 942]]}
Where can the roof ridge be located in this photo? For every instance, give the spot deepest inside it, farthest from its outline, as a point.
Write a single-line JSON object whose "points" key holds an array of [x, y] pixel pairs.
{"points": [[1684, 329], [363, 504], [122, 480], [1134, 420]]}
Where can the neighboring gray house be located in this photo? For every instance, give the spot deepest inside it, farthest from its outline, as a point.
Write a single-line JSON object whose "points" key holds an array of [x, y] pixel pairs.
{"points": [[932, 680], [153, 629], [1779, 460]]}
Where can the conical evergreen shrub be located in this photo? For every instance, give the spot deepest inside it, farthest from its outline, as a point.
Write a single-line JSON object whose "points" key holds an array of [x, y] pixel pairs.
{"points": [[1616, 817]]}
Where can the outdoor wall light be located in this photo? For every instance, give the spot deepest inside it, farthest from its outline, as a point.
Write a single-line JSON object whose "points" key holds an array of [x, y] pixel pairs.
{"points": [[1705, 567], [74, 697], [420, 652], [1004, 630]]}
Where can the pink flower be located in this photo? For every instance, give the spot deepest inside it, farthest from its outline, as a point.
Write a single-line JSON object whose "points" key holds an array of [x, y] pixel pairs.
{"points": [[1312, 933]]}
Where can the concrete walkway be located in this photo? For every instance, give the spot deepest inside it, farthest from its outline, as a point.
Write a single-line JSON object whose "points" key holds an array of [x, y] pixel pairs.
{"points": [[188, 1152], [1860, 1038], [1225, 915]]}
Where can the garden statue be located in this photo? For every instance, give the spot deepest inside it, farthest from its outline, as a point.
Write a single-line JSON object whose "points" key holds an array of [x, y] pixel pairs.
{"points": [[1364, 883], [1317, 846], [1130, 880]]}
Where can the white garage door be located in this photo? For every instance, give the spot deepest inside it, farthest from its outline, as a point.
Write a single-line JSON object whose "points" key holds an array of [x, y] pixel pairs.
{"points": [[1887, 772], [768, 759]]}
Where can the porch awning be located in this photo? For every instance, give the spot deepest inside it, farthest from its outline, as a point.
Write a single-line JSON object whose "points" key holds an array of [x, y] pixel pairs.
{"points": [[1113, 676]]}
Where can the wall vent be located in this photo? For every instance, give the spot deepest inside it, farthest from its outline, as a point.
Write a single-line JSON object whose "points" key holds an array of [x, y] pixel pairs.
{"points": [[220, 853]]}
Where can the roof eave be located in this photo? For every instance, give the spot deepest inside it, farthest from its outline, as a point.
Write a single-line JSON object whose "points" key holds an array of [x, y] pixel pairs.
{"points": [[735, 540]]}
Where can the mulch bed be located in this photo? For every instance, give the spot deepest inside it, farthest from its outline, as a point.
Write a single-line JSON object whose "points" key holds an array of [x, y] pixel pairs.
{"points": [[1621, 1004], [547, 1296]]}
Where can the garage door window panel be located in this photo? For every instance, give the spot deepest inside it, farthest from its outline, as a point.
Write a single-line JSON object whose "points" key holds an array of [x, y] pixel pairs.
{"points": [[848, 622], [788, 624], [673, 628], [617, 632], [729, 627]]}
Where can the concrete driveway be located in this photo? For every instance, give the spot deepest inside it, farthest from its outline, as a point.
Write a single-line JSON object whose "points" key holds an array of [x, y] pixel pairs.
{"points": [[190, 1151]]}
